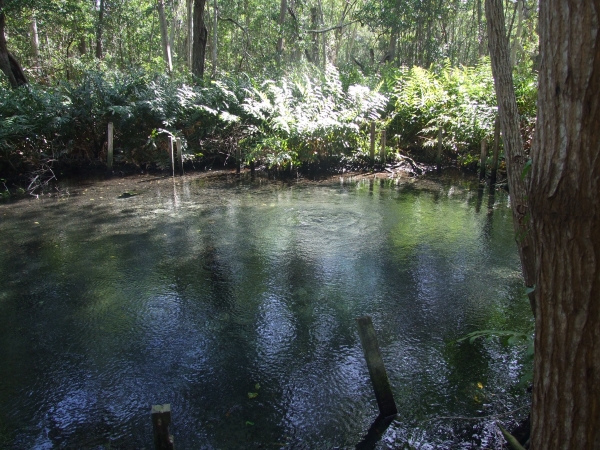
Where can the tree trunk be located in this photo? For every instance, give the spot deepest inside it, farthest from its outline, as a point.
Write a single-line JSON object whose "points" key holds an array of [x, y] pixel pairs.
{"points": [[215, 38], [8, 64], [282, 10], [190, 31], [511, 134], [35, 42], [314, 23], [516, 43], [200, 38], [565, 182], [164, 35], [99, 30]]}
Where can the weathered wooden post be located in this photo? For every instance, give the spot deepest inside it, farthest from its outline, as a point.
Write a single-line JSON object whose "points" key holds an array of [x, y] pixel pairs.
{"points": [[383, 138], [161, 419], [438, 156], [109, 160], [238, 163], [496, 150], [379, 378], [372, 153], [483, 159], [252, 169], [179, 156], [172, 154]]}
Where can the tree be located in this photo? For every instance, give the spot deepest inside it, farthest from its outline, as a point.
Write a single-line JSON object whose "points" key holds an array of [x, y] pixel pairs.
{"points": [[8, 63], [200, 38], [564, 224], [565, 181]]}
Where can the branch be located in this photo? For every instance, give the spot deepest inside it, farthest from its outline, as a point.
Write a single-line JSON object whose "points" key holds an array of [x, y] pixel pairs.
{"points": [[335, 27]]}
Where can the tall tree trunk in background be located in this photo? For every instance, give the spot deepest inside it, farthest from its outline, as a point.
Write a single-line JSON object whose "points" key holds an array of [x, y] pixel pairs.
{"points": [[516, 43], [200, 38], [190, 31], [8, 64], [282, 10], [565, 182], [35, 42], [314, 23], [164, 35], [480, 31], [99, 30], [215, 38], [511, 135]]}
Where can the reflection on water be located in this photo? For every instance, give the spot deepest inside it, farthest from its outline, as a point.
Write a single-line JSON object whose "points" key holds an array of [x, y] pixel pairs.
{"points": [[202, 291]]}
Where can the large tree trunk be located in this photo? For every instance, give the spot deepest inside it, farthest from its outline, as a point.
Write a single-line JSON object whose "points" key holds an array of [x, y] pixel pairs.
{"points": [[282, 10], [164, 35], [200, 38], [565, 183], [8, 63], [35, 42], [511, 135], [215, 38]]}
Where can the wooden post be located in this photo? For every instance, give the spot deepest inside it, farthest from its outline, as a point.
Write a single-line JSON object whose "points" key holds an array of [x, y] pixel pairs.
{"points": [[109, 160], [438, 157], [496, 150], [379, 378], [179, 156], [161, 419], [372, 153], [172, 154], [483, 159], [238, 157], [252, 169], [382, 154]]}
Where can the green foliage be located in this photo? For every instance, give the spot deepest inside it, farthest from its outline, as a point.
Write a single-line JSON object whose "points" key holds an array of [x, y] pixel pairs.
{"points": [[308, 117]]}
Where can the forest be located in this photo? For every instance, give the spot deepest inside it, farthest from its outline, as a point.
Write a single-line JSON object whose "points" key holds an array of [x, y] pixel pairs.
{"points": [[283, 85], [297, 87]]}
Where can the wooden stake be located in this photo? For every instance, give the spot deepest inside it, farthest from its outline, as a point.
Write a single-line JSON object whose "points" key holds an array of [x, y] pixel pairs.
{"points": [[172, 154], [238, 157], [379, 378], [109, 160], [496, 151], [483, 159], [372, 154], [161, 419], [179, 156], [438, 157], [382, 153]]}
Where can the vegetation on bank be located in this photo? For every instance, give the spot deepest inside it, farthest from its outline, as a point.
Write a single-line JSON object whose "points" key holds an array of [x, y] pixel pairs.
{"points": [[305, 116]]}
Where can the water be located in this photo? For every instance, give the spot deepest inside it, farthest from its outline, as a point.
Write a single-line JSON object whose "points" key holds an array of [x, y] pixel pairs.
{"points": [[235, 302]]}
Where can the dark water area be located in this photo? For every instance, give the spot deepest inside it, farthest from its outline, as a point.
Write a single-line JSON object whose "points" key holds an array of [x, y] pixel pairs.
{"points": [[235, 302]]}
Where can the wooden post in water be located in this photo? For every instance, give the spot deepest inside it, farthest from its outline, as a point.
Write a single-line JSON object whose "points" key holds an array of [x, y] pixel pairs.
{"points": [[483, 159], [172, 154], [379, 378], [179, 156], [496, 150], [161, 419], [383, 138], [109, 159], [372, 153], [438, 156]]}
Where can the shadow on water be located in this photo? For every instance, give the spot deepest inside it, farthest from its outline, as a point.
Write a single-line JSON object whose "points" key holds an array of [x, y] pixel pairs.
{"points": [[375, 433]]}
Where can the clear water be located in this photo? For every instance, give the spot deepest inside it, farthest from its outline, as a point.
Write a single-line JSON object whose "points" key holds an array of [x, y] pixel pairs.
{"points": [[205, 291]]}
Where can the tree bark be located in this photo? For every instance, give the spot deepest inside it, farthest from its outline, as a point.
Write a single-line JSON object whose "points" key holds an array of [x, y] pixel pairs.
{"points": [[215, 38], [511, 134], [565, 182], [35, 42], [164, 35], [8, 63], [200, 38]]}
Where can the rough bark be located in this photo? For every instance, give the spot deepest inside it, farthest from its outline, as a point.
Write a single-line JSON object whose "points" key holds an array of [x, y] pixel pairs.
{"points": [[8, 63], [565, 183], [200, 38], [513, 143], [190, 31], [215, 41], [35, 41], [164, 35]]}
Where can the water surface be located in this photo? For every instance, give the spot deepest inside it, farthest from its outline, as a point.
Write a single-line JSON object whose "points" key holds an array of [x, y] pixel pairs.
{"points": [[235, 302]]}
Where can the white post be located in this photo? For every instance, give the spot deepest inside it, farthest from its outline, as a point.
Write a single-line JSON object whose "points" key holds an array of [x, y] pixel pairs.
{"points": [[179, 156]]}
